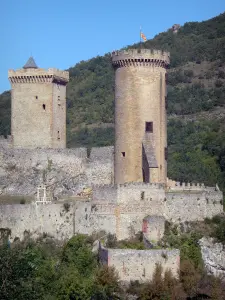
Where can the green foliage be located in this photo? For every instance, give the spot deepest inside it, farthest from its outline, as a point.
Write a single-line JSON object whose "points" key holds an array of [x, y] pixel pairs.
{"points": [[106, 284], [77, 252], [196, 152], [186, 242], [45, 270], [217, 224], [96, 137], [135, 242]]}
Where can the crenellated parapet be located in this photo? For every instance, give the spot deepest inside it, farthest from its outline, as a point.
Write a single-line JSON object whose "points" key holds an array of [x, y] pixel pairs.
{"points": [[142, 185], [130, 185], [187, 186], [38, 76], [140, 57]]}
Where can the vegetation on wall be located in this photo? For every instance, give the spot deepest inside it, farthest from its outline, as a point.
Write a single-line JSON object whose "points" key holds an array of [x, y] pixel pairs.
{"points": [[196, 101]]}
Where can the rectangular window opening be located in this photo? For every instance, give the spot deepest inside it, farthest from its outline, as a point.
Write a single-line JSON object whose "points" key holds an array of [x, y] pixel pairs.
{"points": [[166, 153], [123, 154], [149, 126], [36, 97], [59, 100], [58, 136], [43, 106], [142, 195]]}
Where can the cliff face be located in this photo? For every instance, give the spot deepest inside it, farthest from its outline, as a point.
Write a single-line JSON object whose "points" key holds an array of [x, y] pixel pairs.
{"points": [[213, 255], [65, 171]]}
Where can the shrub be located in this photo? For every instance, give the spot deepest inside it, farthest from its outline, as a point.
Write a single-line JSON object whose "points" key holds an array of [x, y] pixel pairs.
{"points": [[78, 252], [106, 284], [189, 277], [66, 206]]}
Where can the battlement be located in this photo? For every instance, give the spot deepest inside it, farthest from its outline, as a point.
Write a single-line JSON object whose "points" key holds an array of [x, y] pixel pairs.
{"points": [[130, 185], [178, 186], [142, 185], [38, 75], [145, 57]]}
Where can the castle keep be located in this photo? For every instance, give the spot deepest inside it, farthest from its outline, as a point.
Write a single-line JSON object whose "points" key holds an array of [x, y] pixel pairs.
{"points": [[38, 100], [140, 115]]}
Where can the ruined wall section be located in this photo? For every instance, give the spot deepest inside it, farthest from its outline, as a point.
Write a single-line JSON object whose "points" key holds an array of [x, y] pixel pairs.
{"points": [[140, 264]]}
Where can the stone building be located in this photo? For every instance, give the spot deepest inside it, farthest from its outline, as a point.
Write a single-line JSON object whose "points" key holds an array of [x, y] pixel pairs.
{"points": [[140, 115], [38, 99]]}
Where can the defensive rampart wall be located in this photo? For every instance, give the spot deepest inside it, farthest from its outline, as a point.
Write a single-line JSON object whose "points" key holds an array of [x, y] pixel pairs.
{"points": [[122, 219]]}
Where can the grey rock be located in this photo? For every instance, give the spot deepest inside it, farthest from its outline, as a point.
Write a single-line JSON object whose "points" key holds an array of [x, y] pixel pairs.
{"points": [[213, 255]]}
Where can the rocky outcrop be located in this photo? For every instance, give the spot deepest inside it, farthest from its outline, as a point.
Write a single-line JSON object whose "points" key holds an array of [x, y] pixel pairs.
{"points": [[213, 255], [64, 171]]}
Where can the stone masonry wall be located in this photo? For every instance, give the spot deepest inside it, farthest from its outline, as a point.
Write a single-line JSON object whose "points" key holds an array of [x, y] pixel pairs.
{"points": [[140, 264], [135, 201], [122, 219], [56, 219]]}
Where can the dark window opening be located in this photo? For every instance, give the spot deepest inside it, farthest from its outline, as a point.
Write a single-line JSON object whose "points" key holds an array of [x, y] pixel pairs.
{"points": [[58, 136], [142, 195], [43, 106], [166, 78], [166, 153], [36, 97], [123, 154], [59, 100], [149, 126]]}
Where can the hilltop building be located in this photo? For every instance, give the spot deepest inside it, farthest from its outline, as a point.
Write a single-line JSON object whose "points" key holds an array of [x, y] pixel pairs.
{"points": [[38, 100]]}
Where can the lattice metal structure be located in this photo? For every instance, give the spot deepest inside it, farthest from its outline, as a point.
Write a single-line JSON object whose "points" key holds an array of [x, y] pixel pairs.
{"points": [[43, 195]]}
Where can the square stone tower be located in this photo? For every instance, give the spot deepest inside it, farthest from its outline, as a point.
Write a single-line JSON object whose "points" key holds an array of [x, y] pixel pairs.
{"points": [[38, 109]]}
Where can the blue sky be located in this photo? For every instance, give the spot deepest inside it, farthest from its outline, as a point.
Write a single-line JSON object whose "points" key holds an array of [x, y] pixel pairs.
{"points": [[61, 33]]}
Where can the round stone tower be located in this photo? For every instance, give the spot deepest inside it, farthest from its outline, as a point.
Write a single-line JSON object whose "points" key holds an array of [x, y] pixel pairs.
{"points": [[140, 115]]}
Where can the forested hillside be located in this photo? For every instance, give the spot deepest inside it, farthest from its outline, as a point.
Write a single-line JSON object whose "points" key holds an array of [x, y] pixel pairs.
{"points": [[196, 101]]}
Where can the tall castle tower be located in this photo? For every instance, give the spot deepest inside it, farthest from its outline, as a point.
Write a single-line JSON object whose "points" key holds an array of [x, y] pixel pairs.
{"points": [[140, 115], [38, 99]]}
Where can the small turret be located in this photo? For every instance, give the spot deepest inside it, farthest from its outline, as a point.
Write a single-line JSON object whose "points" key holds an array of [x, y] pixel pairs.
{"points": [[30, 64]]}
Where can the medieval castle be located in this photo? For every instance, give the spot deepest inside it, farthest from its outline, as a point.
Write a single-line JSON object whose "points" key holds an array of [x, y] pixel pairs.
{"points": [[135, 195]]}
